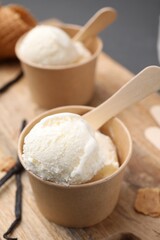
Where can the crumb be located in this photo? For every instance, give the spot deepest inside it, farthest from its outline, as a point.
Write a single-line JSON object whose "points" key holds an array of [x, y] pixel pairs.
{"points": [[148, 201]]}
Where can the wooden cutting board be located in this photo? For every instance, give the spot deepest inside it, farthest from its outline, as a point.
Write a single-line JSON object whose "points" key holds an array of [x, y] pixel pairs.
{"points": [[144, 168]]}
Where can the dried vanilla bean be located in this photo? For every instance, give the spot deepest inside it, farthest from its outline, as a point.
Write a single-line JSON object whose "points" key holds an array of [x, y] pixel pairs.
{"points": [[18, 166], [18, 199], [123, 236], [18, 208], [11, 82], [15, 169]]}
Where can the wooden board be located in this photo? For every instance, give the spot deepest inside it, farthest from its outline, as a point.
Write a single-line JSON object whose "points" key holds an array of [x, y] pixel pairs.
{"points": [[143, 170]]}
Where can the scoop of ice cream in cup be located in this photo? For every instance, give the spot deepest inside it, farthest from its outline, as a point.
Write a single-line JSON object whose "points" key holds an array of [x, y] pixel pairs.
{"points": [[78, 184], [60, 63], [76, 172]]}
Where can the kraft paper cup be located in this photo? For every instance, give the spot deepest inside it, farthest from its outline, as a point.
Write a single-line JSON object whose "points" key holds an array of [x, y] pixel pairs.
{"points": [[85, 204], [62, 85]]}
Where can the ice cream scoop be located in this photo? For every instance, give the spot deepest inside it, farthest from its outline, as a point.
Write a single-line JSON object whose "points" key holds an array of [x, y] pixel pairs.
{"points": [[64, 149], [51, 46]]}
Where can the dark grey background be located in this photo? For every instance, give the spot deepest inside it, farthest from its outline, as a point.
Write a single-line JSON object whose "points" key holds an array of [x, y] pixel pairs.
{"points": [[131, 40]]}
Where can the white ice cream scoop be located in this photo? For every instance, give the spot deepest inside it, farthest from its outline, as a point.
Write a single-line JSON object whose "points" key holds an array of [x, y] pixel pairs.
{"points": [[51, 46], [64, 149]]}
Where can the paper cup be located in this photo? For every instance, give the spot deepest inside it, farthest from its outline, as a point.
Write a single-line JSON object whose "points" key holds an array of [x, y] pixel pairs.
{"points": [[62, 85], [85, 204]]}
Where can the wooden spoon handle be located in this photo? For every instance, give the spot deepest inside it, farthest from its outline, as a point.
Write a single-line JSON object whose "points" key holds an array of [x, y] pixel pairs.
{"points": [[96, 24], [139, 87]]}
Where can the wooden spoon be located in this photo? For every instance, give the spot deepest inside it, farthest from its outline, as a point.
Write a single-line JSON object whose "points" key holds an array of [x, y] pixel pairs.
{"points": [[139, 87], [100, 20]]}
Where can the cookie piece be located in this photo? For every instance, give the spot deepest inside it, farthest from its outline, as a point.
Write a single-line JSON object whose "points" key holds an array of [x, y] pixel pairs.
{"points": [[148, 201]]}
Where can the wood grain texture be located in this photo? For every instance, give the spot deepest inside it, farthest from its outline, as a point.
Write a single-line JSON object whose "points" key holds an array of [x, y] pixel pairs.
{"points": [[143, 170]]}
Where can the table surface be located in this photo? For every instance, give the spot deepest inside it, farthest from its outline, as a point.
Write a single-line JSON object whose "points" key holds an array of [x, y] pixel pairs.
{"points": [[131, 40], [16, 104]]}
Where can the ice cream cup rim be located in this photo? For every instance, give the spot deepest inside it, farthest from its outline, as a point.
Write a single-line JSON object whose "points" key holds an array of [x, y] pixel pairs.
{"points": [[83, 185], [58, 67]]}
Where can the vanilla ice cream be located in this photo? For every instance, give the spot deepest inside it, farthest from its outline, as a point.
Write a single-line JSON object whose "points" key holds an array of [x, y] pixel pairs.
{"points": [[51, 46], [64, 149]]}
